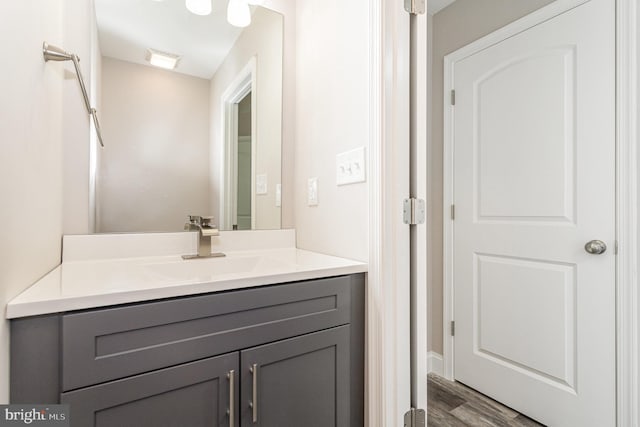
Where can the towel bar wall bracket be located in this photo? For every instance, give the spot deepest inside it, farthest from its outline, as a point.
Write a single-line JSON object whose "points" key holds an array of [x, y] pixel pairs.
{"points": [[54, 53]]}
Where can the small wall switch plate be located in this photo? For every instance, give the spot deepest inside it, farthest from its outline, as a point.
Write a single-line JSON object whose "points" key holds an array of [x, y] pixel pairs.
{"points": [[351, 167], [261, 184], [312, 191], [278, 195]]}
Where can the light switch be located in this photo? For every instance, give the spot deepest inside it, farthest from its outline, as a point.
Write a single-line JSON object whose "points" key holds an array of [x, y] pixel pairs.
{"points": [[261, 184], [312, 191], [278, 195], [350, 167]]}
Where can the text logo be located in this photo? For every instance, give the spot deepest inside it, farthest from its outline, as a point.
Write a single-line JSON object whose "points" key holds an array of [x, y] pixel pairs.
{"points": [[34, 415]]}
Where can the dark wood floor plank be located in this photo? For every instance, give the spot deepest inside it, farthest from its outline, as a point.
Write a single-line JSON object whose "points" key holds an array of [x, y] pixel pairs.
{"points": [[452, 404], [471, 395], [522, 421], [478, 416], [443, 398], [438, 418]]}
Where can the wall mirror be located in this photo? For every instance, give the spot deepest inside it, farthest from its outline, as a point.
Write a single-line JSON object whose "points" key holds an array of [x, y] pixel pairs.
{"points": [[203, 137]]}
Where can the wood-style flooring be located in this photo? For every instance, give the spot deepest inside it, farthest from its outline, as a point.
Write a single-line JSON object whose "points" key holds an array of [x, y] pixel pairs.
{"points": [[451, 404]]}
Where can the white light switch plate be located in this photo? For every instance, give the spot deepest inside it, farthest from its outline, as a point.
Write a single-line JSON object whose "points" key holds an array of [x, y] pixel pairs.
{"points": [[278, 195], [312, 191], [261, 184], [351, 167]]}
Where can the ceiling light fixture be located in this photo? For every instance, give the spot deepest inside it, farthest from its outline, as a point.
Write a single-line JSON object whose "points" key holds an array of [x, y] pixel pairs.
{"points": [[238, 13], [199, 7], [168, 61]]}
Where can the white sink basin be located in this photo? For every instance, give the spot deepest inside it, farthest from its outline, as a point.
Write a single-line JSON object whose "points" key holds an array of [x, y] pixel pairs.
{"points": [[210, 268], [82, 284]]}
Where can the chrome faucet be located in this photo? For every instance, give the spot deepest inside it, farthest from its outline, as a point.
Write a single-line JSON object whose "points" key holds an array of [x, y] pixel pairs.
{"points": [[206, 230]]}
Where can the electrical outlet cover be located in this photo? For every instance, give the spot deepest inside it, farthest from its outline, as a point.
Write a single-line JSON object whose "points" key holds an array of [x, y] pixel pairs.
{"points": [[278, 195], [261, 184], [312, 191]]}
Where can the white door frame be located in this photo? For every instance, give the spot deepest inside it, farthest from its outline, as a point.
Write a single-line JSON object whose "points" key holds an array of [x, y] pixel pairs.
{"points": [[420, 128], [243, 83], [627, 37], [626, 201], [388, 375]]}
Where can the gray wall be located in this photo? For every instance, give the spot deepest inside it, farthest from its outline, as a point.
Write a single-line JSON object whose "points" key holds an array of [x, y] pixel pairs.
{"points": [[454, 27]]}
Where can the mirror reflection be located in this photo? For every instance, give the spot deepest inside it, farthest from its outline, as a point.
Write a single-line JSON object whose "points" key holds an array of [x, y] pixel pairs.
{"points": [[192, 109]]}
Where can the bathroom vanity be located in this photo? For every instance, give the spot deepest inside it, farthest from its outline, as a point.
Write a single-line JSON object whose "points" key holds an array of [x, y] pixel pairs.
{"points": [[275, 352]]}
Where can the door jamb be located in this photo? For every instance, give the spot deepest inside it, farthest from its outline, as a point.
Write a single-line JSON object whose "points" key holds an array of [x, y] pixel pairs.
{"points": [[242, 84], [420, 233], [388, 375], [627, 34]]}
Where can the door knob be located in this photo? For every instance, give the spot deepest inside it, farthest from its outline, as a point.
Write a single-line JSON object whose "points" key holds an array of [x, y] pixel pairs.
{"points": [[595, 247]]}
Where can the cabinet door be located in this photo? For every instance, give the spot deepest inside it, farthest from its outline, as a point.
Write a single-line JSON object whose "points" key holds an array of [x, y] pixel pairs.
{"points": [[194, 394], [301, 381]]}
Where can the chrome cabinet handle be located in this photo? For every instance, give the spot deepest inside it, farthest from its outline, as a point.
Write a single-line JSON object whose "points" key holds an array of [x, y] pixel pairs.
{"points": [[595, 247], [254, 398], [232, 396]]}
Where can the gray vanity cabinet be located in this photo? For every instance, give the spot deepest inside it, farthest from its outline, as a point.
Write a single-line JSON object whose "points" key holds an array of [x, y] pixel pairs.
{"points": [[192, 394], [296, 351], [302, 381]]}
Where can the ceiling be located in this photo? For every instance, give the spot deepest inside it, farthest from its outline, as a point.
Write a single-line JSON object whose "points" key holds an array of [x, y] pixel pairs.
{"points": [[127, 28]]}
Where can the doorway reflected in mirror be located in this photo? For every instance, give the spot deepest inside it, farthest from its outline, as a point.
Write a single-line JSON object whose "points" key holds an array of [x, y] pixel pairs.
{"points": [[243, 169]]}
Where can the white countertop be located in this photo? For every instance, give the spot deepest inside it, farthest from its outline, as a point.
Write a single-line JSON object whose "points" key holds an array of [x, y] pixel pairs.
{"points": [[95, 283]]}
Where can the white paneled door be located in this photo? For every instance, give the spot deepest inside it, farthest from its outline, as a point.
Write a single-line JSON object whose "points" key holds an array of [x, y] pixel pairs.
{"points": [[533, 134]]}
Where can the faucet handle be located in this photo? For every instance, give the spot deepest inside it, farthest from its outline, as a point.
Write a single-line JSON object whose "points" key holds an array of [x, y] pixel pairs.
{"points": [[195, 219], [206, 221], [207, 228]]}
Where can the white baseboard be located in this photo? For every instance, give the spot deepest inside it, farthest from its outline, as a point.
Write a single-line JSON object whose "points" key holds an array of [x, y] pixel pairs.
{"points": [[435, 363]]}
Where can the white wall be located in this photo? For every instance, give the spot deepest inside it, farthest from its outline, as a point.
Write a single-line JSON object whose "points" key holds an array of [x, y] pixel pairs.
{"points": [[454, 27], [332, 92], [262, 39], [79, 30], [154, 170], [36, 106]]}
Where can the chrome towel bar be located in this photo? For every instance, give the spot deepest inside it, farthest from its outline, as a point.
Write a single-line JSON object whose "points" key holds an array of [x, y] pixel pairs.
{"points": [[54, 53]]}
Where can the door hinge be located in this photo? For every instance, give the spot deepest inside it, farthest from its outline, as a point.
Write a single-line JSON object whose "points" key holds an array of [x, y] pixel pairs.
{"points": [[453, 328], [415, 7], [453, 212], [415, 418], [453, 97], [413, 211]]}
